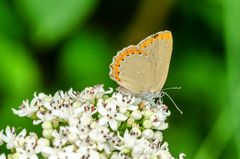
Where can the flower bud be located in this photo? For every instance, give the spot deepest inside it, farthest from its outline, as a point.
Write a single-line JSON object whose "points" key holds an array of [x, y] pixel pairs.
{"points": [[100, 147], [47, 125], [137, 131], [148, 133], [147, 114], [130, 122], [55, 123], [147, 124], [127, 113], [47, 133], [126, 150], [136, 115], [158, 135]]}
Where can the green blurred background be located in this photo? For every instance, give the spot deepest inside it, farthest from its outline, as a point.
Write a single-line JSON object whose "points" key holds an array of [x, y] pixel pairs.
{"points": [[50, 45]]}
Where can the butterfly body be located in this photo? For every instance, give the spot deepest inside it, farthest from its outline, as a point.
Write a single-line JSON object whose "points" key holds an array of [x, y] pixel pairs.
{"points": [[142, 69]]}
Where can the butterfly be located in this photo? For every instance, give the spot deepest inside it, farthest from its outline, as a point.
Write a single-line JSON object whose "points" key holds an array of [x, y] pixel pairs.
{"points": [[142, 69]]}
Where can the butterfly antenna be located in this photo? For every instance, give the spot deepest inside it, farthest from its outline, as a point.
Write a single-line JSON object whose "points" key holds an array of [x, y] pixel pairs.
{"points": [[171, 88], [173, 102]]}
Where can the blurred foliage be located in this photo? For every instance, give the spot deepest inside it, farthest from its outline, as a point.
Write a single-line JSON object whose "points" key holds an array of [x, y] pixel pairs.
{"points": [[52, 45], [51, 21]]}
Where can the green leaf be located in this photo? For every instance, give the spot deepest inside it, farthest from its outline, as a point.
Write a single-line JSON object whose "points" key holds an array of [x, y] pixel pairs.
{"points": [[50, 21]]}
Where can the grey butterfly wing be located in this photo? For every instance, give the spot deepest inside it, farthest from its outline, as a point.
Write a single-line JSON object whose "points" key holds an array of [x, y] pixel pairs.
{"points": [[159, 50], [130, 69], [143, 68]]}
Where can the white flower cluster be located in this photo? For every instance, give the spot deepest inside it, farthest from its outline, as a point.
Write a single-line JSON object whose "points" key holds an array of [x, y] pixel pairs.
{"points": [[89, 125]]}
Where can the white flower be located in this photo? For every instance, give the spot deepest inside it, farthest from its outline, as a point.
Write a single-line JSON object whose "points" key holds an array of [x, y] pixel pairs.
{"points": [[100, 136], [26, 109], [57, 149], [61, 105], [81, 130], [157, 137], [92, 93], [158, 120], [90, 125], [46, 101], [43, 116], [60, 136], [41, 143], [12, 139], [163, 153], [109, 114], [29, 149], [140, 149], [71, 93], [63, 113], [87, 153], [124, 102], [129, 139], [67, 152], [89, 108], [59, 152]]}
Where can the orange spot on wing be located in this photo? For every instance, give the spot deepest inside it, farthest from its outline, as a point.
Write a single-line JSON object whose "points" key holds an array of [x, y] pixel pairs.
{"points": [[146, 42], [121, 57], [166, 35]]}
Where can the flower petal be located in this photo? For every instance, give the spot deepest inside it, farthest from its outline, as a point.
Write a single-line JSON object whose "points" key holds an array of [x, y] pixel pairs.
{"points": [[103, 120], [111, 107], [121, 117], [101, 109], [113, 124], [132, 107]]}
